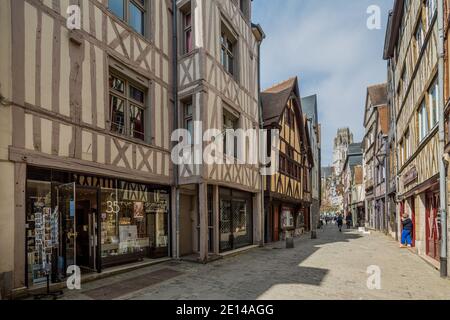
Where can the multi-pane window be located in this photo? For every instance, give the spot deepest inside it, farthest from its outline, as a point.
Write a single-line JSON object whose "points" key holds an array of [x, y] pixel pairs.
{"points": [[408, 148], [130, 11], [419, 37], [187, 32], [431, 10], [433, 101], [305, 179], [404, 83], [282, 164], [245, 8], [423, 121], [189, 119], [290, 118], [230, 122], [401, 154], [227, 43], [127, 107]]}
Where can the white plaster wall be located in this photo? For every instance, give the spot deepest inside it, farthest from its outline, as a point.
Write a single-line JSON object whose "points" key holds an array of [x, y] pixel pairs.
{"points": [[5, 78]]}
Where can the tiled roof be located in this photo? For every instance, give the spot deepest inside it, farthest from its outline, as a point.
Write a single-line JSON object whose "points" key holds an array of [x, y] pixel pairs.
{"points": [[358, 175], [275, 98], [384, 119], [378, 94]]}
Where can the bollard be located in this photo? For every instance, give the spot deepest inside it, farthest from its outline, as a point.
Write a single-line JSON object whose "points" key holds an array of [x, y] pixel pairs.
{"points": [[313, 234], [289, 243]]}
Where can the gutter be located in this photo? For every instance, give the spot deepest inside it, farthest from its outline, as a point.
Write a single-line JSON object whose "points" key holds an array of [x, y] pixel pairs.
{"points": [[260, 35], [442, 162], [175, 119]]}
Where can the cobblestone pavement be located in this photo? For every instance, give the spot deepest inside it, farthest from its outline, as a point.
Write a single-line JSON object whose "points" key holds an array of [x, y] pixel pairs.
{"points": [[332, 267]]}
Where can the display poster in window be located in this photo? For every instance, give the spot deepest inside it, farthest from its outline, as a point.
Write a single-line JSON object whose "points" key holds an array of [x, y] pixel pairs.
{"points": [[287, 220], [138, 209]]}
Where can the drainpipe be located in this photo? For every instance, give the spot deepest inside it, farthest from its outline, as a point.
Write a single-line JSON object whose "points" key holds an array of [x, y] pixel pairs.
{"points": [[386, 183], [261, 126], [394, 126], [175, 118], [442, 163]]}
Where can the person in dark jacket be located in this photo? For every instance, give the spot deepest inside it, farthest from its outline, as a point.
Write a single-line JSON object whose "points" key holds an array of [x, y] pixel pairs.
{"points": [[349, 220], [340, 222], [407, 230]]}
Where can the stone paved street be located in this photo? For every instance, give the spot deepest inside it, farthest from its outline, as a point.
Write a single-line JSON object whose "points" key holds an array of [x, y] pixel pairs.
{"points": [[331, 267]]}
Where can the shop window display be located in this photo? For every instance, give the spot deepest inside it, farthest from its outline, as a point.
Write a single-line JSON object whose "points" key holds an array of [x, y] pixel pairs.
{"points": [[92, 222], [42, 234], [133, 225], [235, 220]]}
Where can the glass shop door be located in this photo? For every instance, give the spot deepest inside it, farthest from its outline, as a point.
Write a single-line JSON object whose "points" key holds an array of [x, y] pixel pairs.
{"points": [[66, 201]]}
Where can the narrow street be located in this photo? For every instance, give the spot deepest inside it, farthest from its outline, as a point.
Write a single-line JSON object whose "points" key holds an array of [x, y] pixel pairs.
{"points": [[332, 267]]}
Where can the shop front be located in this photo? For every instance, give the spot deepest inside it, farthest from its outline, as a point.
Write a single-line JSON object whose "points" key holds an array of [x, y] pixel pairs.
{"points": [[236, 219], [91, 222], [287, 222], [433, 225]]}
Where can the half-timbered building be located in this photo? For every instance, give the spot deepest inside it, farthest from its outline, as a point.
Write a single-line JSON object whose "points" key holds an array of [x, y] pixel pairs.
{"points": [[374, 115], [447, 106], [287, 197], [219, 204], [310, 109], [85, 137], [351, 177], [411, 48], [88, 114]]}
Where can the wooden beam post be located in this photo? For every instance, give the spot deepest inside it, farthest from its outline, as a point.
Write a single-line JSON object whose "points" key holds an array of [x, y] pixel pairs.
{"points": [[203, 213]]}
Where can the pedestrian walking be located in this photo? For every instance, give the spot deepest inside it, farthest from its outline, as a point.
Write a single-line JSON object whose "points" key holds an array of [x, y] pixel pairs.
{"points": [[407, 229], [340, 222], [348, 220]]}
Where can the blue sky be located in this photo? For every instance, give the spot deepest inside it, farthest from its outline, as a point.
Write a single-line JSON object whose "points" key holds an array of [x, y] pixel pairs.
{"points": [[327, 44]]}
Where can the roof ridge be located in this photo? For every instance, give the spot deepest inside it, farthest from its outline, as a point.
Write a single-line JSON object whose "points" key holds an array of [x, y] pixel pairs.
{"points": [[279, 84], [377, 85]]}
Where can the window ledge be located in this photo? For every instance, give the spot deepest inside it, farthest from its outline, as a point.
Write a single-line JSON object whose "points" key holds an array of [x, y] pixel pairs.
{"points": [[135, 141], [188, 54]]}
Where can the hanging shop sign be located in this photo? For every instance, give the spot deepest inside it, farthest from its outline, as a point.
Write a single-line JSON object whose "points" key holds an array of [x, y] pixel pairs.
{"points": [[410, 176]]}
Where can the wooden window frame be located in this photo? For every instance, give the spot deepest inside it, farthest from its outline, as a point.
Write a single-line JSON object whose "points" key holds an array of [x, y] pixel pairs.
{"points": [[188, 117], [419, 35], [185, 12], [228, 48], [430, 13], [422, 132], [128, 103], [305, 179], [126, 14], [433, 106], [235, 120]]}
